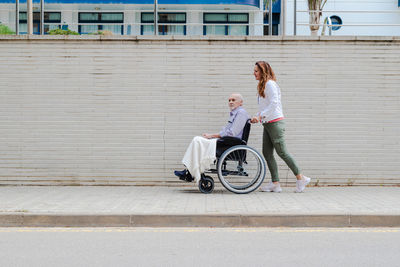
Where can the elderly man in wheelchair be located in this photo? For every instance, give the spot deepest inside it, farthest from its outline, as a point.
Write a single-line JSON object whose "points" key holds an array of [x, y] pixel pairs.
{"points": [[240, 168]]}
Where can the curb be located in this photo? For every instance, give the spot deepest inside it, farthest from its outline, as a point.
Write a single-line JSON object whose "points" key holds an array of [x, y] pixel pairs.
{"points": [[109, 220]]}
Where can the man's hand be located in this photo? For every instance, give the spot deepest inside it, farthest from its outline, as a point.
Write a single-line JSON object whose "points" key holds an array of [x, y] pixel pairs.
{"points": [[255, 119], [206, 135], [210, 136]]}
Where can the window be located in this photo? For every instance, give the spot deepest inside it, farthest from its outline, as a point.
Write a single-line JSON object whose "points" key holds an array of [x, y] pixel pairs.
{"points": [[49, 17], [227, 21], [164, 19], [101, 22], [275, 24]]}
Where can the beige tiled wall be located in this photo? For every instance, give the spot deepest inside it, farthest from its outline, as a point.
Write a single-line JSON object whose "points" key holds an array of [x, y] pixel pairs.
{"points": [[123, 110]]}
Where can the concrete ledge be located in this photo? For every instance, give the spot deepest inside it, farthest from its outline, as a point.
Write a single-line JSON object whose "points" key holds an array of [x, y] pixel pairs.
{"points": [[200, 38], [57, 220]]}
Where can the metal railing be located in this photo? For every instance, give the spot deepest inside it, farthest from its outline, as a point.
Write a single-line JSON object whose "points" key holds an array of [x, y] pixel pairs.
{"points": [[136, 27], [328, 23], [160, 10]]}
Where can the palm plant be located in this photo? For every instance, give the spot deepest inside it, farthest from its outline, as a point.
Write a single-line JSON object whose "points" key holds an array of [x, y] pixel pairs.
{"points": [[266, 3], [315, 9], [266, 6]]}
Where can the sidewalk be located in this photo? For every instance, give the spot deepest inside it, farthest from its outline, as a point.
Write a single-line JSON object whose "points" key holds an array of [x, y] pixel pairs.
{"points": [[182, 206]]}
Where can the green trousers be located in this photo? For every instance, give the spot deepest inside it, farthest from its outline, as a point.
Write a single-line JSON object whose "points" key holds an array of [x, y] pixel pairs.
{"points": [[274, 138]]}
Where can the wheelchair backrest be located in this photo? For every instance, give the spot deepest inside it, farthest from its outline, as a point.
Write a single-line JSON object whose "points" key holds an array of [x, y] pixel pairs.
{"points": [[246, 131]]}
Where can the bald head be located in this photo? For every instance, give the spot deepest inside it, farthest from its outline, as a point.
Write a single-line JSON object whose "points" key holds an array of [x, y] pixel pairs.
{"points": [[235, 100]]}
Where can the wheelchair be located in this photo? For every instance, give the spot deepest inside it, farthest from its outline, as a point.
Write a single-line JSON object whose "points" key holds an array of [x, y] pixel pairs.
{"points": [[240, 168]]}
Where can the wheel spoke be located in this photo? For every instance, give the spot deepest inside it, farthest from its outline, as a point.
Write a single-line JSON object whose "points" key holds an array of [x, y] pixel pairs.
{"points": [[245, 169]]}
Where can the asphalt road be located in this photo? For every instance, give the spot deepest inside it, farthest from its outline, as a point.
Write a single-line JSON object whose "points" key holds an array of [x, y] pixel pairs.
{"points": [[199, 247]]}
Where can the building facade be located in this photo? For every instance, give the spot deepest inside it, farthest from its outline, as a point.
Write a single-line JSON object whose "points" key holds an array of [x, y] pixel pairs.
{"points": [[205, 17], [136, 17]]}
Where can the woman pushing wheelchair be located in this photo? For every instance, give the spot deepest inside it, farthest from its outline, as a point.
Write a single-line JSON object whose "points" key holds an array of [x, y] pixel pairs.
{"points": [[271, 116]]}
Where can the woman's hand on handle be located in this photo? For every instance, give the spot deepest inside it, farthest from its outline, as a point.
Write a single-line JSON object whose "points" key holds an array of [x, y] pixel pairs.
{"points": [[255, 119]]}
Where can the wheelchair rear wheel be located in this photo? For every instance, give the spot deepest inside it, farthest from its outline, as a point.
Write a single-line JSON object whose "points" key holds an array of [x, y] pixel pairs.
{"points": [[241, 169]]}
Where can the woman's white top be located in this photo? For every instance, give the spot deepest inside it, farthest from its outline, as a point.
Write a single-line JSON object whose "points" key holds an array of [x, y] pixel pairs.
{"points": [[270, 107]]}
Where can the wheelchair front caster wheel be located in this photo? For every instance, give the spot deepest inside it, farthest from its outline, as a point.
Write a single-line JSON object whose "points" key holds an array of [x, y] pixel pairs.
{"points": [[206, 184]]}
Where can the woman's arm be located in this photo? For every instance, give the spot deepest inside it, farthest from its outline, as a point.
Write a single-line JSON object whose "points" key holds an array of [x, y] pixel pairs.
{"points": [[272, 95]]}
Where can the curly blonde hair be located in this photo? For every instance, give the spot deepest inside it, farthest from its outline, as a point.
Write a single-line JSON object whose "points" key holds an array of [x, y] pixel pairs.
{"points": [[266, 74]]}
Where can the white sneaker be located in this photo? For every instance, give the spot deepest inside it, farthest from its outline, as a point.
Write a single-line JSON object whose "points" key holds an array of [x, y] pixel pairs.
{"points": [[271, 187], [301, 184]]}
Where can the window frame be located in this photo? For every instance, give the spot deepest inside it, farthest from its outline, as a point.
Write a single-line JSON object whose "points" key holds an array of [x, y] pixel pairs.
{"points": [[226, 23], [158, 21], [37, 21], [99, 21]]}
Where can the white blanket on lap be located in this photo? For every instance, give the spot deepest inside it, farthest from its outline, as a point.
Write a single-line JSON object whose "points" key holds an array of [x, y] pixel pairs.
{"points": [[199, 156]]}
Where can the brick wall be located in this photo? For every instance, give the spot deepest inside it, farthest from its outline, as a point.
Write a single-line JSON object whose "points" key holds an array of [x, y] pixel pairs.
{"points": [[121, 110]]}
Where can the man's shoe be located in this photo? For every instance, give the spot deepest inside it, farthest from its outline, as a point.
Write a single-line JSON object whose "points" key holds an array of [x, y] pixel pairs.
{"points": [[181, 174], [271, 187], [188, 177], [301, 184], [184, 175]]}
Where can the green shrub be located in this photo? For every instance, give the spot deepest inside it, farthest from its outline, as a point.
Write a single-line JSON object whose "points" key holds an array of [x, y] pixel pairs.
{"points": [[62, 32], [105, 32], [5, 30]]}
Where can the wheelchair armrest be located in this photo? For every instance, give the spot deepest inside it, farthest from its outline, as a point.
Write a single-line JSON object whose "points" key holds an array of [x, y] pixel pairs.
{"points": [[231, 141]]}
